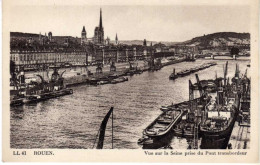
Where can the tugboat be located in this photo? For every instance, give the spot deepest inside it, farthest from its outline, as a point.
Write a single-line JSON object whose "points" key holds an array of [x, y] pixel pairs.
{"points": [[173, 76]]}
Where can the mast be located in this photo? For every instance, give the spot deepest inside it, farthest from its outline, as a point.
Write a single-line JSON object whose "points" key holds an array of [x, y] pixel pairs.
{"points": [[102, 130], [112, 129], [199, 85], [191, 97], [245, 75], [225, 73]]}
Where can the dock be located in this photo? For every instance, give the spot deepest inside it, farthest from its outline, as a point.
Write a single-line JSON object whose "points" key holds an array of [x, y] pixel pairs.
{"points": [[240, 137]]}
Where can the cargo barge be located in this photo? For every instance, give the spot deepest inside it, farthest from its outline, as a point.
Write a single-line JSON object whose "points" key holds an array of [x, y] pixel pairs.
{"points": [[186, 72]]}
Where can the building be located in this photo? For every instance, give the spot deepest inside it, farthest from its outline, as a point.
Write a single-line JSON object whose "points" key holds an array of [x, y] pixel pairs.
{"points": [[107, 41], [99, 32], [116, 39], [83, 36], [34, 59], [50, 36], [144, 44]]}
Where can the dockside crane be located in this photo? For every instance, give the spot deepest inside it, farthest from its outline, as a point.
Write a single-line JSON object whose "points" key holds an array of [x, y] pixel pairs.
{"points": [[199, 85], [191, 95], [225, 74]]}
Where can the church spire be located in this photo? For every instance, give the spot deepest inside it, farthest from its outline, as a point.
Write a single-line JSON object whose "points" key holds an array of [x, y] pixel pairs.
{"points": [[100, 20], [116, 39], [83, 30]]}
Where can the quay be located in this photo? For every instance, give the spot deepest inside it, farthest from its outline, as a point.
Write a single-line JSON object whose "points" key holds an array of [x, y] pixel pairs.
{"points": [[59, 86], [240, 137], [107, 75]]}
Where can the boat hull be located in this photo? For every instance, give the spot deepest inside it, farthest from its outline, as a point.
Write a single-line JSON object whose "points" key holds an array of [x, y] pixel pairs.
{"points": [[217, 140], [158, 142]]}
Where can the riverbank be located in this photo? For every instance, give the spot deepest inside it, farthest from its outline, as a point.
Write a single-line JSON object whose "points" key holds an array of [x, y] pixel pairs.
{"points": [[109, 76]]}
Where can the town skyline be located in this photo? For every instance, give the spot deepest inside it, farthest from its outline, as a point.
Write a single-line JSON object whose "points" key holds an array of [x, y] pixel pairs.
{"points": [[149, 21]]}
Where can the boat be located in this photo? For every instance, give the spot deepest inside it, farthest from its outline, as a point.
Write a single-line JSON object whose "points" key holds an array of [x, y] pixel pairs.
{"points": [[208, 85], [119, 80], [173, 76], [184, 73], [193, 70], [186, 127], [45, 96], [218, 125], [160, 131], [102, 82], [16, 102], [92, 81], [244, 110], [164, 108], [130, 73], [35, 92], [220, 115]]}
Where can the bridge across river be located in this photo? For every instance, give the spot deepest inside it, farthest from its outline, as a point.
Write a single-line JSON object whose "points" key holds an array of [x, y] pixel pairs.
{"points": [[225, 57]]}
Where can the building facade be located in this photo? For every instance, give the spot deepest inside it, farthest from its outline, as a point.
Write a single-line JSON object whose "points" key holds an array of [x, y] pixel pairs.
{"points": [[32, 59]]}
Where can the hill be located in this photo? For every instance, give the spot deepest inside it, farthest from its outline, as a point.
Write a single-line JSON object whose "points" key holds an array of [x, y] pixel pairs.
{"points": [[209, 40], [219, 39], [140, 42]]}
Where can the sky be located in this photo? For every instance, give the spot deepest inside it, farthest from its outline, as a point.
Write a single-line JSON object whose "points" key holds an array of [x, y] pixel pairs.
{"points": [[174, 23]]}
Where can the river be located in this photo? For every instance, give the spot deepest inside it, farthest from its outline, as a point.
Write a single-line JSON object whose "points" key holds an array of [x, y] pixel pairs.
{"points": [[73, 121]]}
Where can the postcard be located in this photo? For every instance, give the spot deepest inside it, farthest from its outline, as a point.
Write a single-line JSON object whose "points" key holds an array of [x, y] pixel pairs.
{"points": [[130, 81]]}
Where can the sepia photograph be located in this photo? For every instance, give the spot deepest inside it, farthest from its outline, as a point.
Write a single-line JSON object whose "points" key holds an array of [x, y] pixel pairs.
{"points": [[130, 76]]}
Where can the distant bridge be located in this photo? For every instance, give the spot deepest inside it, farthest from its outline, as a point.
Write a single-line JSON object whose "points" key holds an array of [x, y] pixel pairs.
{"points": [[234, 57]]}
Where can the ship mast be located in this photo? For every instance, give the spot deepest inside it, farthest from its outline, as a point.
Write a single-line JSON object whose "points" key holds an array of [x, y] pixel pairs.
{"points": [[102, 130], [191, 96]]}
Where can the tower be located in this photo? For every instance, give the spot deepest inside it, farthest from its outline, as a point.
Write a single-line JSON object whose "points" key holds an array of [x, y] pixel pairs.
{"points": [[116, 39], [50, 36], [144, 44], [99, 31], [107, 41], [40, 36], [100, 20], [83, 36]]}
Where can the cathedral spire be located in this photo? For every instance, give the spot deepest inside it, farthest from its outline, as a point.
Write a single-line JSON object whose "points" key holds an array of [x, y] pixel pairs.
{"points": [[100, 20]]}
